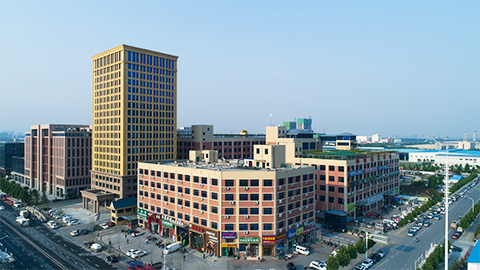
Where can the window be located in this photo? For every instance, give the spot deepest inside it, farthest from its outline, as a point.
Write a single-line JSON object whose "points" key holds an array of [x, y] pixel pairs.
{"points": [[331, 168], [331, 178], [229, 227], [254, 183], [204, 194], [340, 200], [195, 205], [341, 179], [214, 195], [254, 211], [267, 226], [322, 187], [331, 199], [214, 182], [229, 197], [214, 225], [244, 183], [281, 181], [243, 211], [341, 190], [267, 183], [187, 217], [322, 167], [187, 190], [341, 169], [195, 192], [254, 197], [267, 211], [204, 222], [322, 177], [229, 211], [331, 188], [204, 207], [195, 179], [267, 197], [243, 227], [229, 183], [243, 197], [253, 226], [204, 180]]}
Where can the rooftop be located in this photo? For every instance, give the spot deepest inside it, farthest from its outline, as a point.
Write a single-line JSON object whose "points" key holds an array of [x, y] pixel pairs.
{"points": [[340, 154], [235, 165]]}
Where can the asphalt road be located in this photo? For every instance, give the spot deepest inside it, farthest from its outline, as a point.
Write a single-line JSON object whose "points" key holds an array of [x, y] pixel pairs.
{"points": [[38, 247], [405, 251]]}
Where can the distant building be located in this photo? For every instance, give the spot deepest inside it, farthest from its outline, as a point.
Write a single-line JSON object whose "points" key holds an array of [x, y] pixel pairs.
{"points": [[290, 125], [8, 150], [375, 138], [229, 146], [304, 123], [466, 145], [58, 159]]}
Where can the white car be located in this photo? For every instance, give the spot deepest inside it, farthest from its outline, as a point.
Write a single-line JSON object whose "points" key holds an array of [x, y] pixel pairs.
{"points": [[129, 252], [73, 222], [134, 234], [52, 224], [2, 207], [74, 233], [104, 226], [367, 263], [138, 254], [381, 253], [318, 265]]}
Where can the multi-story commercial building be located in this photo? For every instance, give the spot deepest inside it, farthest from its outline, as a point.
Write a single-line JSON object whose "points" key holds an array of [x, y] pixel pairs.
{"points": [[58, 159], [8, 150], [134, 118], [223, 208], [229, 146], [346, 178]]}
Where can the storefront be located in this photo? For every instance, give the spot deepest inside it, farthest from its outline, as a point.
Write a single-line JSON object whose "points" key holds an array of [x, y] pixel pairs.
{"points": [[204, 239], [299, 237], [291, 234], [268, 245], [168, 230], [309, 234], [153, 222], [229, 247], [280, 244], [249, 245], [142, 215]]}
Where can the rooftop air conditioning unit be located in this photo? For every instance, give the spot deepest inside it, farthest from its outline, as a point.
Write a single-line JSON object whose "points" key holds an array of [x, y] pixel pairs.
{"points": [[166, 191], [246, 216], [227, 188], [306, 206], [291, 198], [256, 202], [232, 202], [246, 232], [281, 229], [292, 184], [227, 217], [246, 188]]}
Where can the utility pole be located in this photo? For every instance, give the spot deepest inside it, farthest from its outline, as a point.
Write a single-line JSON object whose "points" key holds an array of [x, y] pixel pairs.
{"points": [[446, 209]]}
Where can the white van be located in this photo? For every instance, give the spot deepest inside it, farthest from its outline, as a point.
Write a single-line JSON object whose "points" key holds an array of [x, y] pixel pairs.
{"points": [[156, 265], [302, 250], [17, 204], [172, 247]]}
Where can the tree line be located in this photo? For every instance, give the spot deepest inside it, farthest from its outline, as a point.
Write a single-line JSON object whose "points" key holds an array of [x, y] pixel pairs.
{"points": [[24, 194]]}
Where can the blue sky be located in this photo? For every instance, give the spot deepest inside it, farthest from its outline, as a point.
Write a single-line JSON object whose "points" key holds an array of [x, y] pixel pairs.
{"points": [[366, 67]]}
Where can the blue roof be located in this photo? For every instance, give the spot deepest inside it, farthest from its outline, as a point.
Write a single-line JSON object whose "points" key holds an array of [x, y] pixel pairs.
{"points": [[124, 203], [475, 254], [456, 177]]}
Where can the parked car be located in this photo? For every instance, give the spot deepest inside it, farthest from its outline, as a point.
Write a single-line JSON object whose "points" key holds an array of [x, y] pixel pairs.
{"points": [[436, 217], [426, 223], [130, 251], [291, 266], [73, 222], [104, 226], [318, 265], [84, 231], [138, 254], [135, 233], [2, 207], [111, 224], [430, 215], [375, 257], [74, 232], [411, 233], [96, 247], [381, 253], [52, 224], [455, 236], [359, 267], [455, 248], [367, 263], [111, 258]]}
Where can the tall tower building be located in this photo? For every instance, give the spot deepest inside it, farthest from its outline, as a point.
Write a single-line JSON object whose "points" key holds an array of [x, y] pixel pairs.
{"points": [[134, 117]]}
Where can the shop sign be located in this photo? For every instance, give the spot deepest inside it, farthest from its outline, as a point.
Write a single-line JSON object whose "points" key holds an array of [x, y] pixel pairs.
{"points": [[268, 239], [142, 213], [167, 224], [212, 240], [300, 231], [281, 236], [198, 229], [350, 207], [291, 233], [309, 229], [229, 235], [245, 240], [396, 190], [229, 245]]}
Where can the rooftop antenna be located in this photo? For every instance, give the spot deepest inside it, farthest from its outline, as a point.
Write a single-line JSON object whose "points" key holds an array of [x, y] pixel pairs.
{"points": [[271, 120]]}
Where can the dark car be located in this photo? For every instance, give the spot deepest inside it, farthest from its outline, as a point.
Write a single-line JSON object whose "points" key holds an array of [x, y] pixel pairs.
{"points": [[111, 224], [87, 244], [455, 248], [455, 236], [375, 257], [111, 258], [291, 266], [84, 231], [309, 268]]}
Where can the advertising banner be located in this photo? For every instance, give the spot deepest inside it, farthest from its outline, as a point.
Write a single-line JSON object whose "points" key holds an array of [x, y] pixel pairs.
{"points": [[291, 233], [229, 235], [268, 239], [167, 224], [246, 240]]}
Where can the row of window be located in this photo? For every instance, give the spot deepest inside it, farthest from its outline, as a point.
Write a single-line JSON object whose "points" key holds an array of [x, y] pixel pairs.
{"points": [[249, 227], [179, 215]]}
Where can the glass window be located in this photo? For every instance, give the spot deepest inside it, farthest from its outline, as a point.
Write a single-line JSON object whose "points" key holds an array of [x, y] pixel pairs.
{"points": [[254, 183], [243, 227], [267, 197], [254, 226], [267, 226], [229, 211], [267, 211], [243, 211], [244, 183], [243, 197], [254, 211], [254, 197], [267, 183], [229, 183], [229, 197], [229, 227]]}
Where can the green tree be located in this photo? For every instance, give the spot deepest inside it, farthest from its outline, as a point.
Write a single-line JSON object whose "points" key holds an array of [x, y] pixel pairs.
{"points": [[332, 263], [35, 197], [352, 250], [343, 256], [44, 197], [360, 245]]}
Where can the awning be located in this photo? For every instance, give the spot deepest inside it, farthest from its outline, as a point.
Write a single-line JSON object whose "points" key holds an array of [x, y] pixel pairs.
{"points": [[395, 199]]}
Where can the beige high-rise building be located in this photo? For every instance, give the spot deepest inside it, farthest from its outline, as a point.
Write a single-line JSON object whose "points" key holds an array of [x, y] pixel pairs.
{"points": [[134, 116]]}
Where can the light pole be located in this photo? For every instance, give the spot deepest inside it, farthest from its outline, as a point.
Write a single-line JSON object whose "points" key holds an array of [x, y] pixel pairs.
{"points": [[446, 209], [473, 202]]}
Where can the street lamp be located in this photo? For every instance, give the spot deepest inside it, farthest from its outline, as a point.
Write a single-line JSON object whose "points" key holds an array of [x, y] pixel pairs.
{"points": [[473, 202]]}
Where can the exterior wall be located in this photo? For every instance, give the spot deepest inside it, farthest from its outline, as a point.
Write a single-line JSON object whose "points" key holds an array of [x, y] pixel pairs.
{"points": [[8, 150], [269, 156], [163, 191], [134, 96]]}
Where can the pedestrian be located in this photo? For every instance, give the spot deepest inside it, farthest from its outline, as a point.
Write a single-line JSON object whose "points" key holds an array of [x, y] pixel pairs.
{"points": [[125, 235], [203, 255], [183, 257], [127, 240], [333, 248], [109, 242]]}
